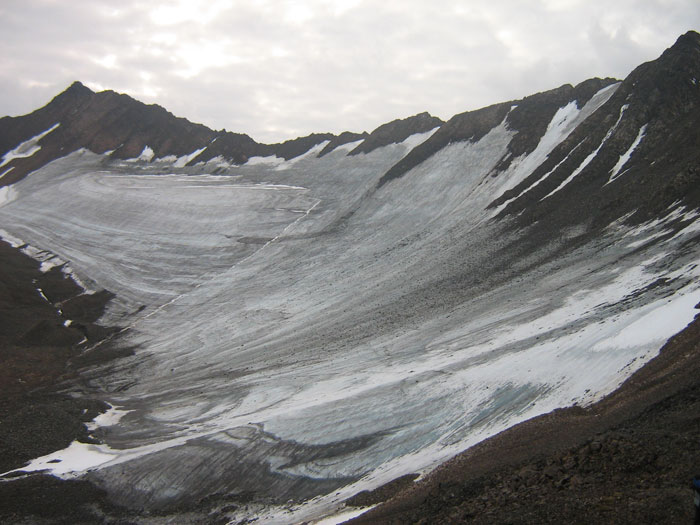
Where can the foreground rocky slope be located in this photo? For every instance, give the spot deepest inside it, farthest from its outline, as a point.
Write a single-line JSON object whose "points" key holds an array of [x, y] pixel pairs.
{"points": [[309, 322], [36, 346]]}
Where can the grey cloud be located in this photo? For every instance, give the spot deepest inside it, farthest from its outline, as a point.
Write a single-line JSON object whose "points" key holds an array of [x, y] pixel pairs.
{"points": [[262, 74]]}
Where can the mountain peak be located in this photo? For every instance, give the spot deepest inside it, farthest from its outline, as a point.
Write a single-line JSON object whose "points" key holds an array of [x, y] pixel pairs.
{"points": [[691, 38], [687, 46], [76, 91], [78, 85]]}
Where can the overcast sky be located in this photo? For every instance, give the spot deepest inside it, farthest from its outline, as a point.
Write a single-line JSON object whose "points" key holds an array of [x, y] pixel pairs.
{"points": [[279, 69]]}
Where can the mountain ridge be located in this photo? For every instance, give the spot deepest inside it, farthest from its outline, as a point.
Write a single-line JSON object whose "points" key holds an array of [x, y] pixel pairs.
{"points": [[123, 127]]}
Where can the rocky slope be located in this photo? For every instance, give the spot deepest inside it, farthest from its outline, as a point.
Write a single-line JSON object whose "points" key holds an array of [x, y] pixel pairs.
{"points": [[651, 117], [46, 322]]}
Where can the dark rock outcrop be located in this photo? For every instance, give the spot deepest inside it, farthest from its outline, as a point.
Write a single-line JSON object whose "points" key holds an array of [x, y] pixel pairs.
{"points": [[235, 147], [36, 346], [238, 148], [290, 149]]}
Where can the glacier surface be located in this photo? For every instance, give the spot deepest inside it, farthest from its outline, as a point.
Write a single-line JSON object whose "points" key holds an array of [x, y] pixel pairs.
{"points": [[304, 336]]}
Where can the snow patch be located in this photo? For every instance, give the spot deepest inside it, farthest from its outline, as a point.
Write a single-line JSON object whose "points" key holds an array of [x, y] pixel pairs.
{"points": [[70, 273], [50, 263], [349, 146], [47, 259], [10, 239], [41, 294], [107, 419], [75, 459], [186, 159], [645, 240], [311, 153], [659, 227], [343, 516], [279, 163], [626, 155], [691, 229], [561, 125], [272, 160], [418, 138], [6, 172], [218, 162], [673, 314], [146, 154], [7, 194], [26, 148], [78, 457], [168, 159]]}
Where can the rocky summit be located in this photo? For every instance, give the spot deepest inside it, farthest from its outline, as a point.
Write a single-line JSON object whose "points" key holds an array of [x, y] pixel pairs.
{"points": [[489, 319]]}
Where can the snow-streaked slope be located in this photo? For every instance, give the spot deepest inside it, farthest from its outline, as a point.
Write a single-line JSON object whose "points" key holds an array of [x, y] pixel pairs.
{"points": [[625, 157], [590, 156], [306, 335], [27, 148], [565, 120]]}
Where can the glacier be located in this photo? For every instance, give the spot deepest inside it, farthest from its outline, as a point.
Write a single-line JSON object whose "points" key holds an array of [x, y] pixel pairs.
{"points": [[304, 334]]}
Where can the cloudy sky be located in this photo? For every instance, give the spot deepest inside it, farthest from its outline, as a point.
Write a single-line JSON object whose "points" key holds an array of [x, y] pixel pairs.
{"points": [[278, 69]]}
